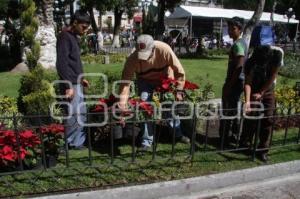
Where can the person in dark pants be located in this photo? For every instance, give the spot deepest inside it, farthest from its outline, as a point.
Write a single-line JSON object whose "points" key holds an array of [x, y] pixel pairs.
{"points": [[233, 85], [261, 71], [69, 68]]}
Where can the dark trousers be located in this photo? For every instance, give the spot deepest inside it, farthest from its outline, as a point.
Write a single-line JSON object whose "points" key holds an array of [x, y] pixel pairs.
{"points": [[265, 129], [230, 109]]}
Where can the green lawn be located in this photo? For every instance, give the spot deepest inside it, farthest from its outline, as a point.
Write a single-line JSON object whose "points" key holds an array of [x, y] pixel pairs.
{"points": [[213, 70]]}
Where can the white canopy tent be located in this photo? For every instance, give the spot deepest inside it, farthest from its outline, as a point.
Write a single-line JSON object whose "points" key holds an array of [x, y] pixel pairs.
{"points": [[182, 12], [191, 11]]}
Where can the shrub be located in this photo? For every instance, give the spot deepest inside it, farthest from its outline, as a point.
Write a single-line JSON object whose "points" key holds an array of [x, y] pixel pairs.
{"points": [[8, 108], [97, 86], [113, 58], [35, 92], [287, 98], [291, 67]]}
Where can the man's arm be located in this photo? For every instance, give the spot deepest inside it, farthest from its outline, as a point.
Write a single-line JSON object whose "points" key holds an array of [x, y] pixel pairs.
{"points": [[127, 74], [63, 51], [179, 73], [267, 84], [63, 69]]}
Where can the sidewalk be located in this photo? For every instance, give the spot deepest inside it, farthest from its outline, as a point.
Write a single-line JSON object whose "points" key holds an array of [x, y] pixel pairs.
{"points": [[196, 187]]}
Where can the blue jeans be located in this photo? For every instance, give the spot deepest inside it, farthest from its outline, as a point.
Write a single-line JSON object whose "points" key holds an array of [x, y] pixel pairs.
{"points": [[147, 127], [75, 134]]}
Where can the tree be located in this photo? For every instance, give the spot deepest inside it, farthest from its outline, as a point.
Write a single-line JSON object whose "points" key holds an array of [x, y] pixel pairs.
{"points": [[3, 9], [164, 5], [89, 5], [253, 21], [119, 7], [46, 33]]}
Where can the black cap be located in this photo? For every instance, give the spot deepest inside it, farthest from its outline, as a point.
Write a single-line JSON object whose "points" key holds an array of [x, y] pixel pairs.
{"points": [[236, 21], [81, 16]]}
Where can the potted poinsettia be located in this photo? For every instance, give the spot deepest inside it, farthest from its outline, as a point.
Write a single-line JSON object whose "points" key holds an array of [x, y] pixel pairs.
{"points": [[26, 148], [104, 106], [52, 135]]}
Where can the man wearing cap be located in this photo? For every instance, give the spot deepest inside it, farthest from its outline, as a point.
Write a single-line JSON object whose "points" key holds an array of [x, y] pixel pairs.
{"points": [[233, 86], [69, 69], [149, 62]]}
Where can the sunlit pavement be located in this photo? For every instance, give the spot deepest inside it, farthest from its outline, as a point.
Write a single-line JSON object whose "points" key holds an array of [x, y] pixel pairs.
{"points": [[287, 187]]}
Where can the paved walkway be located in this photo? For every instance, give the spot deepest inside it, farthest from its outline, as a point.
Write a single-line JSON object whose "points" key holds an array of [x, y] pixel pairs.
{"points": [[278, 181], [287, 187]]}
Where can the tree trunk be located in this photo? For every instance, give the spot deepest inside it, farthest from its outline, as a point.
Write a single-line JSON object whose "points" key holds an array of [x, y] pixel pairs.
{"points": [[100, 21], [93, 22], [161, 18], [118, 16], [71, 8], [253, 21], [45, 11], [272, 13], [46, 33]]}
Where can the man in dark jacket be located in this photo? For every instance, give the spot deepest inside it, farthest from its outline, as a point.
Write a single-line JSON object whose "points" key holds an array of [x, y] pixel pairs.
{"points": [[69, 69]]}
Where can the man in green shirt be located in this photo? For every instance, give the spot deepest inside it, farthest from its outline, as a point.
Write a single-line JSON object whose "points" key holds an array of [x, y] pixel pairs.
{"points": [[233, 85]]}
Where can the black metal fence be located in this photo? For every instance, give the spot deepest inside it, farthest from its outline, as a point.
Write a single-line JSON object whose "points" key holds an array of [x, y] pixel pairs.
{"points": [[202, 129]]}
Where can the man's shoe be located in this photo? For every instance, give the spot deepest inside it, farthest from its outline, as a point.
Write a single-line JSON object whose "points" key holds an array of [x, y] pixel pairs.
{"points": [[144, 148], [184, 139]]}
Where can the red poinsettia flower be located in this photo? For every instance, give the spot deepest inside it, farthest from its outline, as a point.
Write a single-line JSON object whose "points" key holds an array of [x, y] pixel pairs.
{"points": [[167, 84], [7, 137], [29, 139], [133, 102], [109, 102], [8, 154], [190, 86], [53, 128], [23, 153], [146, 107]]}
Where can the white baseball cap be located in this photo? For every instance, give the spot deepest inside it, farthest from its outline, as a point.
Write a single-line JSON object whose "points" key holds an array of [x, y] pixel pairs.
{"points": [[144, 47]]}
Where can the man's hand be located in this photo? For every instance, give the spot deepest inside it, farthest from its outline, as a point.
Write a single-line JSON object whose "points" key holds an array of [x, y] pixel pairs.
{"points": [[85, 83], [179, 96], [124, 110], [247, 107], [70, 93], [257, 96]]}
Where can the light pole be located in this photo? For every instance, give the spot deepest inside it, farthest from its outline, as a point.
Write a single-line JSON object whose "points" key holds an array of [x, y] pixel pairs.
{"points": [[289, 14]]}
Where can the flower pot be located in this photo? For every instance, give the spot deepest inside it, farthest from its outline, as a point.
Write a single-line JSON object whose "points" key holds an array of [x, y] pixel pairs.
{"points": [[118, 132], [51, 160], [131, 130]]}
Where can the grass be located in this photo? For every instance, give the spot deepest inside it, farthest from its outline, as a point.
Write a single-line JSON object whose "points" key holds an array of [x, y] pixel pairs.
{"points": [[102, 174], [212, 70], [122, 171]]}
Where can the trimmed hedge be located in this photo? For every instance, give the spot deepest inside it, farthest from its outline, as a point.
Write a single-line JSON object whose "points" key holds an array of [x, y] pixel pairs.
{"points": [[291, 67], [99, 59]]}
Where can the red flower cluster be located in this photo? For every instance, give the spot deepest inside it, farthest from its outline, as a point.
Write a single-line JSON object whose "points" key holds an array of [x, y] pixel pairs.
{"points": [[53, 129], [170, 85], [167, 85], [190, 86], [109, 102], [9, 147], [145, 106]]}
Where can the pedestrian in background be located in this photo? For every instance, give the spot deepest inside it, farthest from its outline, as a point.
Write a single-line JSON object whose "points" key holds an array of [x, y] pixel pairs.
{"points": [[233, 85]]}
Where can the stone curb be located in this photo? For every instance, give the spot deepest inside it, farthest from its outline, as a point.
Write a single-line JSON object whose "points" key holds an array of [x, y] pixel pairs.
{"points": [[189, 185]]}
